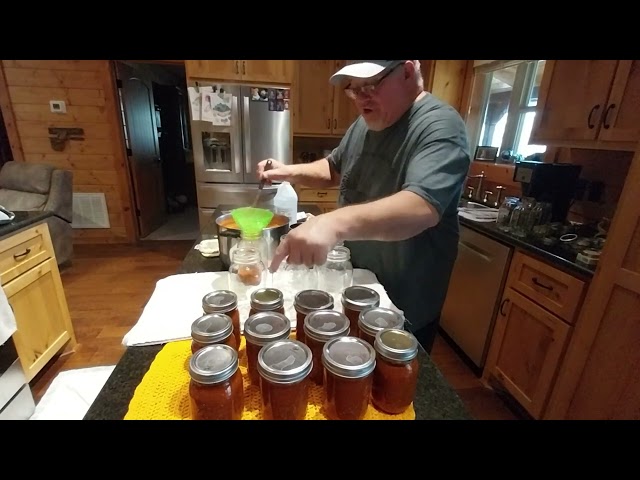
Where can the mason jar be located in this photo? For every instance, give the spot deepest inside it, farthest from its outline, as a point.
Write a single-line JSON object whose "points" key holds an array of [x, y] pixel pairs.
{"points": [[307, 301], [355, 299], [284, 367], [259, 330], [216, 389], [396, 374], [372, 320], [336, 273], [266, 300], [247, 271], [212, 329], [224, 301], [320, 327], [349, 363]]}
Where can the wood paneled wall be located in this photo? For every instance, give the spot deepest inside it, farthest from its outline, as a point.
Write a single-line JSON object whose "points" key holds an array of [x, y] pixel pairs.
{"points": [[98, 161]]}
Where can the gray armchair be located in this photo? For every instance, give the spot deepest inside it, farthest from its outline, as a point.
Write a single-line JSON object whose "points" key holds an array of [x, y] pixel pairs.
{"points": [[38, 186]]}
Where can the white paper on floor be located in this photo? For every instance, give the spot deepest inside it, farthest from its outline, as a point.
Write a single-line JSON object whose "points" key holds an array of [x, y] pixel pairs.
{"points": [[71, 393]]}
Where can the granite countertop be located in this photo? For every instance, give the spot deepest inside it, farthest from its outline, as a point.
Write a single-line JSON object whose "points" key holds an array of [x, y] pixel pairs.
{"points": [[560, 255], [435, 398], [24, 219]]}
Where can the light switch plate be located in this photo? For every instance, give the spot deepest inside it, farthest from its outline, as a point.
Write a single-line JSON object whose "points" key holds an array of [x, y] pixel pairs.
{"points": [[58, 106]]}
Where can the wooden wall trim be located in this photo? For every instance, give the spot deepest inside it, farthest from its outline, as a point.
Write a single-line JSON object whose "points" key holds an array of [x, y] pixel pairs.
{"points": [[467, 88], [9, 118], [120, 164]]}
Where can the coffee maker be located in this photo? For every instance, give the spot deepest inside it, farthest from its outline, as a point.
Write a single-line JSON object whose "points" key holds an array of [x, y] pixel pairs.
{"points": [[555, 183]]}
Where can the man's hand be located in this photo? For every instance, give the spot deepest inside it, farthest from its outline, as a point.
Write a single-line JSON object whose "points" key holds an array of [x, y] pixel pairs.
{"points": [[278, 172], [307, 244]]}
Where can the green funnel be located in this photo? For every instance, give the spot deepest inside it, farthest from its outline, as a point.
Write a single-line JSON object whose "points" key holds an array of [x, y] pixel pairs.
{"points": [[252, 220]]}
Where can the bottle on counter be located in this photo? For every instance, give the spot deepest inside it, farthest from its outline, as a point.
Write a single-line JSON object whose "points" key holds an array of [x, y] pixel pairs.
{"points": [[224, 301], [259, 330], [284, 368], [286, 202], [212, 329], [216, 389]]}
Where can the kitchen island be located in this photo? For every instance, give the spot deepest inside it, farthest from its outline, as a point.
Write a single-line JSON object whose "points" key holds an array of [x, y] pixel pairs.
{"points": [[435, 398]]}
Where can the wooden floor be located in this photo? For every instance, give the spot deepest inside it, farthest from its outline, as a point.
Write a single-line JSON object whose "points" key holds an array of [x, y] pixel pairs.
{"points": [[108, 286]]}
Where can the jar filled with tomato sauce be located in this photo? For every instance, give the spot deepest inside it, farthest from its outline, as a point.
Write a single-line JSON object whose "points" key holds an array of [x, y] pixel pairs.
{"points": [[259, 330], [349, 363], [224, 301], [212, 329], [320, 327], [355, 299], [266, 300], [307, 301], [396, 374], [284, 368], [372, 320], [216, 390]]}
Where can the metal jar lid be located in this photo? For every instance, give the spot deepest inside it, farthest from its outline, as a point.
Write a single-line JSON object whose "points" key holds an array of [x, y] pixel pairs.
{"points": [[396, 345], [211, 328], [325, 325], [373, 320], [213, 364], [220, 301], [349, 357], [307, 301], [358, 297], [265, 327], [266, 299], [285, 361]]}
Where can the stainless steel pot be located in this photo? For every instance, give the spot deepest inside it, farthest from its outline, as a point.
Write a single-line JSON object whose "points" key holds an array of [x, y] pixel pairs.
{"points": [[228, 238]]}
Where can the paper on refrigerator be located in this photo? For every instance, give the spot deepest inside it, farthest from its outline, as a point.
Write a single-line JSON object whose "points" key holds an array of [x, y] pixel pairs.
{"points": [[216, 106], [195, 101]]}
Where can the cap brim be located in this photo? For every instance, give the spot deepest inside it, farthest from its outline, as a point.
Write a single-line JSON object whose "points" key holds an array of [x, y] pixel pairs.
{"points": [[356, 70]]}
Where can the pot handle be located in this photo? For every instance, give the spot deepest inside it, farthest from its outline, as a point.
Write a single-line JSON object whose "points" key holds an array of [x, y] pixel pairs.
{"points": [[229, 233]]}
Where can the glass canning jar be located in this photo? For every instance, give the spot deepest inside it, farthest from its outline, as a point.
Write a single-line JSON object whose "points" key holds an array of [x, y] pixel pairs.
{"points": [[216, 389], [336, 273], [224, 301], [320, 327], [307, 301], [284, 367], [266, 299], [246, 272], [259, 330], [212, 329], [372, 320], [396, 374], [349, 363], [355, 299]]}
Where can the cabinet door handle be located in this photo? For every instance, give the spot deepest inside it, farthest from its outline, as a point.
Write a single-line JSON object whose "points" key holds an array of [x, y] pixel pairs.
{"points": [[328, 123], [237, 67], [593, 110], [605, 123], [335, 123], [244, 67], [502, 305], [16, 256], [537, 282]]}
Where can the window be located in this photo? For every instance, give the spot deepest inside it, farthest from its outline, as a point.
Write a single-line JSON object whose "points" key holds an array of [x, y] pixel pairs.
{"points": [[505, 99]]}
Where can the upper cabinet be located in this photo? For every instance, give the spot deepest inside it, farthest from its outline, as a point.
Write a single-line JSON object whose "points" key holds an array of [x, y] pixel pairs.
{"points": [[319, 108], [248, 71], [589, 104]]}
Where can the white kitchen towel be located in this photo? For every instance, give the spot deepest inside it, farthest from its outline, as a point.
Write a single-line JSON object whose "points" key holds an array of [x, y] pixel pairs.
{"points": [[7, 318], [177, 301]]}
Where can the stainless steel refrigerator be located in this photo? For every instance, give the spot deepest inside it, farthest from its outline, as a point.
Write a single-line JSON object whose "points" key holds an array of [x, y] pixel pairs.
{"points": [[225, 157]]}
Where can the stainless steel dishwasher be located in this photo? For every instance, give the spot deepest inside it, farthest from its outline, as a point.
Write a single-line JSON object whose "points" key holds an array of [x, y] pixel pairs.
{"points": [[474, 291]]}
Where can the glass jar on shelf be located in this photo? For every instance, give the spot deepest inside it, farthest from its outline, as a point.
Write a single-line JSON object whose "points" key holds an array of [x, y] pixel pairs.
{"points": [[246, 272], [336, 273]]}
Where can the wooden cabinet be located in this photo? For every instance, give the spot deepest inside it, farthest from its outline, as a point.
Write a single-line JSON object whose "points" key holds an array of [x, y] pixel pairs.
{"points": [[248, 71], [326, 199], [31, 281], [319, 108], [532, 330], [589, 104]]}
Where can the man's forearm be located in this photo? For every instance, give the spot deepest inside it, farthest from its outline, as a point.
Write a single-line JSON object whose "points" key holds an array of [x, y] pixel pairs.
{"points": [[397, 217], [318, 174]]}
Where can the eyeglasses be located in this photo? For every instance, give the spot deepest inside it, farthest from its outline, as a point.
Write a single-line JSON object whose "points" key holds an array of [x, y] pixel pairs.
{"points": [[368, 90]]}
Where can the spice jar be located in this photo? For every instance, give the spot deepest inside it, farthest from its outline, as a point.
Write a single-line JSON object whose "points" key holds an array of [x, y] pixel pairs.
{"points": [[216, 390], [356, 299], [260, 329], [266, 300], [307, 301], [348, 367], [372, 320], [224, 301], [212, 329], [284, 367], [320, 327], [396, 374]]}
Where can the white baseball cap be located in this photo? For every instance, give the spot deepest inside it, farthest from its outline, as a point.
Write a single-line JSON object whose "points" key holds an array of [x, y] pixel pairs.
{"points": [[362, 69]]}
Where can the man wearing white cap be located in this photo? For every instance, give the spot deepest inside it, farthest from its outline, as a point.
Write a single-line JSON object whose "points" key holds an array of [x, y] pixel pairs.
{"points": [[401, 167]]}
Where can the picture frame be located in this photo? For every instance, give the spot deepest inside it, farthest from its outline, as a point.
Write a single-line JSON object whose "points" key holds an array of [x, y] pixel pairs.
{"points": [[486, 154]]}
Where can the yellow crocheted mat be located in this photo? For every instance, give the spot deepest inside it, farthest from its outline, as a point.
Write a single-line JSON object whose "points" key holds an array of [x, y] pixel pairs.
{"points": [[163, 393]]}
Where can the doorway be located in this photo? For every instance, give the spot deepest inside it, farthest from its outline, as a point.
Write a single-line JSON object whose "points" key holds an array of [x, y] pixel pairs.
{"points": [[5, 148], [157, 135]]}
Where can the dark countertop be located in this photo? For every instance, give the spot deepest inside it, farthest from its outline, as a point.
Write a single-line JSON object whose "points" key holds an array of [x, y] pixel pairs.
{"points": [[560, 255], [435, 398], [24, 219]]}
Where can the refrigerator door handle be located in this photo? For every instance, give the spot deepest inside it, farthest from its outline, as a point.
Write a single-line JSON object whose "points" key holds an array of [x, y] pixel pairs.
{"points": [[246, 134], [235, 135]]}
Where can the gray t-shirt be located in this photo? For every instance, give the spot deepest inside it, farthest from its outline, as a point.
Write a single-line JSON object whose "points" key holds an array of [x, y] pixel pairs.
{"points": [[425, 152]]}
